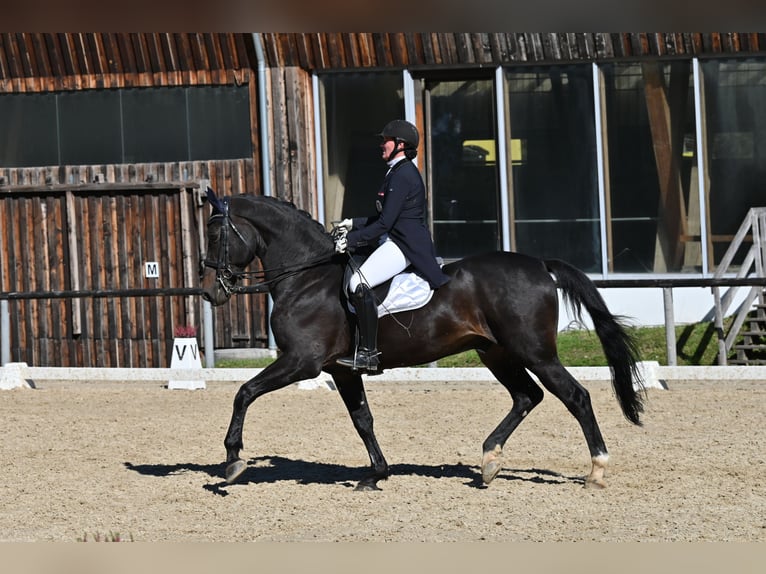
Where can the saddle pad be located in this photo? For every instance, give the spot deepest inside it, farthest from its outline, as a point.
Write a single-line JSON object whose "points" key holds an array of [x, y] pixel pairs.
{"points": [[408, 291]]}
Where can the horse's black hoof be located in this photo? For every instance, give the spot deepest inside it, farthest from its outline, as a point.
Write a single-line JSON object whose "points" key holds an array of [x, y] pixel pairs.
{"points": [[367, 486], [235, 470]]}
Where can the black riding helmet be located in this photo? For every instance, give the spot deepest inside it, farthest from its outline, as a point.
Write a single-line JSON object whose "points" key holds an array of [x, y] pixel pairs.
{"points": [[404, 132]]}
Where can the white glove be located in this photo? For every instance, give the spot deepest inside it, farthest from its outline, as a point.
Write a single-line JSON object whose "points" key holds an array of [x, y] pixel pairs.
{"points": [[341, 243], [347, 224]]}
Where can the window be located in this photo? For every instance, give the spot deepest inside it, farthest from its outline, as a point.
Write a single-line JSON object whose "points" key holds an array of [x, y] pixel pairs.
{"points": [[125, 126], [463, 166], [90, 127], [28, 132], [555, 208], [155, 125], [654, 202], [735, 113], [355, 108], [219, 122]]}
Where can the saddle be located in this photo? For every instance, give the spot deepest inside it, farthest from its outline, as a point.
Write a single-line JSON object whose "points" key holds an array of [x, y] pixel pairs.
{"points": [[406, 291]]}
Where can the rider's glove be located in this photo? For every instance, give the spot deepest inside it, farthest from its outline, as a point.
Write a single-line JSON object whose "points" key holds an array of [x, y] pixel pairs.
{"points": [[346, 224], [341, 243]]}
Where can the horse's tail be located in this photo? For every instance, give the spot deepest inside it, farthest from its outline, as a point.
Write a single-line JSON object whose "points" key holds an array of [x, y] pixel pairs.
{"points": [[619, 347]]}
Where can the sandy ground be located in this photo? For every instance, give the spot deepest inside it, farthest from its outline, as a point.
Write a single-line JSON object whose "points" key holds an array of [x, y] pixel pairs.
{"points": [[139, 460]]}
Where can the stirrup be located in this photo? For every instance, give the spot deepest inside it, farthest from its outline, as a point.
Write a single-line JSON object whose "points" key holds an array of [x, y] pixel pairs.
{"points": [[362, 360]]}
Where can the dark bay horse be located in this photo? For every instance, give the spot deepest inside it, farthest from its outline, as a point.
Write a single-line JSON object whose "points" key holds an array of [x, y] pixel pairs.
{"points": [[502, 304]]}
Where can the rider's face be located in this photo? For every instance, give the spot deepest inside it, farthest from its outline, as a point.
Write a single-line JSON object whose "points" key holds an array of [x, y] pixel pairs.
{"points": [[387, 145]]}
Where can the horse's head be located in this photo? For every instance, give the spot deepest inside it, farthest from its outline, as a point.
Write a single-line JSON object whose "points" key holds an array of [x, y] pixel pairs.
{"points": [[229, 252]]}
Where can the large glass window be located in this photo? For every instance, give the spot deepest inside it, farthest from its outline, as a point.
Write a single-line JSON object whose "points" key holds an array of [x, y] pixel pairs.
{"points": [[90, 127], [463, 166], [28, 133], [555, 208], [653, 207], [155, 125], [355, 108], [125, 126], [219, 122], [735, 104]]}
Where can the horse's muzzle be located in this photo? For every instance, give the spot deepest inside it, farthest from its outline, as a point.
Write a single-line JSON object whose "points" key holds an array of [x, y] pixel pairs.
{"points": [[216, 289]]}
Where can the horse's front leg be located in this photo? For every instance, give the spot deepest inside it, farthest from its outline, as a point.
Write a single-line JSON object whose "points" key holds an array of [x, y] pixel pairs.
{"points": [[277, 375], [351, 390]]}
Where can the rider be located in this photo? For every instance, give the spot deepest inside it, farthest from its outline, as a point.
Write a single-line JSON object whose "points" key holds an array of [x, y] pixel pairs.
{"points": [[398, 233]]}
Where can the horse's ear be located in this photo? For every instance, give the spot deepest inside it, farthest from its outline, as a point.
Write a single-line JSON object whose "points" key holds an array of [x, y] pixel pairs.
{"points": [[214, 201]]}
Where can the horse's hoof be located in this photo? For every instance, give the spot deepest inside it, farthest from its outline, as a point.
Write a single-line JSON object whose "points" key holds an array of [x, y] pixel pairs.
{"points": [[597, 484], [490, 464], [367, 487], [235, 470], [490, 470]]}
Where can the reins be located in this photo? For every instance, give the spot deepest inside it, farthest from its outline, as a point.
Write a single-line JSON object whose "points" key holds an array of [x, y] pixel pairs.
{"points": [[227, 277]]}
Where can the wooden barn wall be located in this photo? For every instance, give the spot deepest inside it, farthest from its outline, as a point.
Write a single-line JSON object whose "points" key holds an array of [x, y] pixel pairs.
{"points": [[63, 61], [34, 62], [292, 131], [335, 51], [83, 238]]}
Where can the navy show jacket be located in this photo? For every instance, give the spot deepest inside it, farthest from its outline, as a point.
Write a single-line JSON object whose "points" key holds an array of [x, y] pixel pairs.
{"points": [[402, 215]]}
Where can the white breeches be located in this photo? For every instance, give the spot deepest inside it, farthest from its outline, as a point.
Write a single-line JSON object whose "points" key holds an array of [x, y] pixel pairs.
{"points": [[385, 262]]}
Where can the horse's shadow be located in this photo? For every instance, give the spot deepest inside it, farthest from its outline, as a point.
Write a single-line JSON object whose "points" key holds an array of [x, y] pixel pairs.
{"points": [[273, 469]]}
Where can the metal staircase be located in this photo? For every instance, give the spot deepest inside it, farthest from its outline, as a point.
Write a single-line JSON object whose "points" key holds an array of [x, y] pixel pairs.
{"points": [[745, 342]]}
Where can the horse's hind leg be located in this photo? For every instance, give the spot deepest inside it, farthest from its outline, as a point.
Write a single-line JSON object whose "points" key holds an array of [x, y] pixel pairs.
{"points": [[351, 389], [526, 395], [576, 398]]}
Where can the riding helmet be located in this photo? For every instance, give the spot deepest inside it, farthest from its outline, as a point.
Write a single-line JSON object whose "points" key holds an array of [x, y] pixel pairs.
{"points": [[402, 130]]}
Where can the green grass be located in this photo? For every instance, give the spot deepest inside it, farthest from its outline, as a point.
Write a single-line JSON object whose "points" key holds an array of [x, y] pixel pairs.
{"points": [[244, 363], [696, 344]]}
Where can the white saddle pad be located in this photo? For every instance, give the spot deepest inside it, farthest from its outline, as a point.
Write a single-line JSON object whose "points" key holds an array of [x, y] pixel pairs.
{"points": [[408, 291]]}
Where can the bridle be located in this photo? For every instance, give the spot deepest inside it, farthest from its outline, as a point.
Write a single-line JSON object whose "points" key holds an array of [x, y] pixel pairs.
{"points": [[227, 277], [224, 274]]}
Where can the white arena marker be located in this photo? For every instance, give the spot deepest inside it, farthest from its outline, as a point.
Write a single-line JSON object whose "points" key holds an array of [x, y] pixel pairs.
{"points": [[186, 356], [12, 376]]}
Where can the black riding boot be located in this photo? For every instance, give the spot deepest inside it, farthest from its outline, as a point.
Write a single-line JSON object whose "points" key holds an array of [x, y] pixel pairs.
{"points": [[366, 357]]}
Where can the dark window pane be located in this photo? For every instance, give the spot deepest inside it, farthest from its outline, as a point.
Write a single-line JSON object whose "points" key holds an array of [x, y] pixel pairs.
{"points": [[28, 130], [456, 239], [90, 127], [219, 122], [555, 177], [356, 107], [154, 124], [576, 241], [654, 200], [463, 167], [735, 102]]}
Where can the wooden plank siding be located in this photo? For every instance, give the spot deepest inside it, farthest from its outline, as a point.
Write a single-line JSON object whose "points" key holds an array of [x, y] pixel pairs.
{"points": [[33, 62], [115, 231], [324, 51]]}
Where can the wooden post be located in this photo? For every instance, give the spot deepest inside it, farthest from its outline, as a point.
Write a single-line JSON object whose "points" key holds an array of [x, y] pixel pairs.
{"points": [[189, 267], [670, 326], [74, 261], [665, 110]]}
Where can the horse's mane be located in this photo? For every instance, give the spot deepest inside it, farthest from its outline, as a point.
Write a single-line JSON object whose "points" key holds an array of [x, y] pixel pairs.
{"points": [[299, 220]]}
